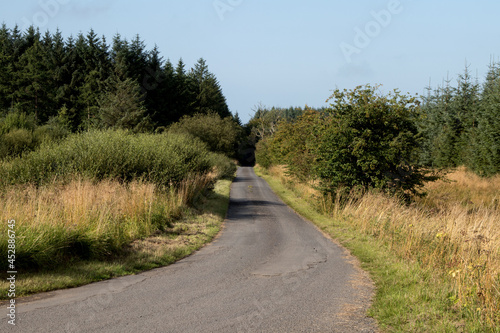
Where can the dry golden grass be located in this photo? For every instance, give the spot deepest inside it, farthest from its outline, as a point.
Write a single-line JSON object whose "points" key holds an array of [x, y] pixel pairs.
{"points": [[90, 219], [79, 204], [454, 232]]}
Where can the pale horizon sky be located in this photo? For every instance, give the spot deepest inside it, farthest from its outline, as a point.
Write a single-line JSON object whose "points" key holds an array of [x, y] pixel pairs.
{"points": [[294, 52]]}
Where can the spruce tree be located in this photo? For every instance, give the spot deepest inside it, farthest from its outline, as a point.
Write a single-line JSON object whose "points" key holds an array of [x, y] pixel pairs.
{"points": [[208, 92], [122, 107], [486, 158]]}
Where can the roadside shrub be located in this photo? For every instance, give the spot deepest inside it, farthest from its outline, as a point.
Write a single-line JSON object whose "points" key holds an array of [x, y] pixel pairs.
{"points": [[224, 166], [364, 140], [262, 153], [220, 134], [17, 120], [162, 159], [370, 141]]}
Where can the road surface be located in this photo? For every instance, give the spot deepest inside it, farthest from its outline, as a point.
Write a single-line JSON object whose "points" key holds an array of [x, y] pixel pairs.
{"points": [[268, 271]]}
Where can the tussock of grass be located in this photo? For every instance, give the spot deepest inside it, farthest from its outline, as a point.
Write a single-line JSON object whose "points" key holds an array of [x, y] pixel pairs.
{"points": [[441, 266]]}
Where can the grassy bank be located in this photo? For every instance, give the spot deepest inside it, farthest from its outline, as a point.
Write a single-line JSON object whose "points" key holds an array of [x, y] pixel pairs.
{"points": [[107, 203], [84, 216], [436, 263]]}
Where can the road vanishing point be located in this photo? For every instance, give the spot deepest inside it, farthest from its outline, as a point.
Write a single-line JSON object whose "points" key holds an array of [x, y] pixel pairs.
{"points": [[269, 270]]}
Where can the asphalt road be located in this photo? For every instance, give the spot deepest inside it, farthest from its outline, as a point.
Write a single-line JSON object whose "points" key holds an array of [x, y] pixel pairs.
{"points": [[268, 271]]}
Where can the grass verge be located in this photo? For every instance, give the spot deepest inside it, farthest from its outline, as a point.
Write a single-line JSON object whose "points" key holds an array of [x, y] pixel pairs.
{"points": [[412, 294], [194, 227]]}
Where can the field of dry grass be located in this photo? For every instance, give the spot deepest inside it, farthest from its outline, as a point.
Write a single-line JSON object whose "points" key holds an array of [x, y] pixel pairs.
{"points": [[453, 232], [69, 234], [89, 219]]}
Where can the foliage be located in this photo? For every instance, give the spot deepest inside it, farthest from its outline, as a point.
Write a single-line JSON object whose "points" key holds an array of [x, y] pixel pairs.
{"points": [[207, 91], [220, 134], [19, 133], [460, 124], [485, 138], [122, 108], [365, 140], [41, 74], [370, 141], [162, 159], [265, 121]]}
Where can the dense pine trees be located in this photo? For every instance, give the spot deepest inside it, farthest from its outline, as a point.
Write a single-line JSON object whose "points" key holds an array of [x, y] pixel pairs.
{"points": [[81, 79], [461, 125]]}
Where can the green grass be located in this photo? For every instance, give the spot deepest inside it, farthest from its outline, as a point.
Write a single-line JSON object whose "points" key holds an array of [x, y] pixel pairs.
{"points": [[408, 298], [198, 225]]}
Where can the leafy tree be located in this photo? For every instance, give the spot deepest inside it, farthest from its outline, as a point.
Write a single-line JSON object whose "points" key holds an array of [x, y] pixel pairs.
{"points": [[222, 135], [370, 141], [265, 121]]}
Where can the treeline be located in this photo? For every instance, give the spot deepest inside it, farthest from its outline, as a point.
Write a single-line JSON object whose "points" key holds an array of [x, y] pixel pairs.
{"points": [[85, 83], [368, 140], [461, 124]]}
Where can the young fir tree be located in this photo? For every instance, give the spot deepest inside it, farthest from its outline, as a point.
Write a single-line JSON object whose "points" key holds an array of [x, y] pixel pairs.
{"points": [[122, 107], [466, 107], [486, 141]]}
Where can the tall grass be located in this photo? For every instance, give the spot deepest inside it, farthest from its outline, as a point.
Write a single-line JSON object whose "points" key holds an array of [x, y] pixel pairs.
{"points": [[93, 193], [84, 219], [453, 233]]}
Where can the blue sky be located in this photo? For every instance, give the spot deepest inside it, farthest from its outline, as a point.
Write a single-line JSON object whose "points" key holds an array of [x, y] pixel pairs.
{"points": [[294, 52]]}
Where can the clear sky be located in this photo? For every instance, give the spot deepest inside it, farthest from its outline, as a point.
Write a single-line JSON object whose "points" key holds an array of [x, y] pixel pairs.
{"points": [[291, 52]]}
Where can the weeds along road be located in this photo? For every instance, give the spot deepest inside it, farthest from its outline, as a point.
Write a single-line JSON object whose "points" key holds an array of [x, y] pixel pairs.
{"points": [[268, 271]]}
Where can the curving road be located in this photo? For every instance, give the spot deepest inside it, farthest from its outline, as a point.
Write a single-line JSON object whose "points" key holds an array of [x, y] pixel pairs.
{"points": [[268, 271]]}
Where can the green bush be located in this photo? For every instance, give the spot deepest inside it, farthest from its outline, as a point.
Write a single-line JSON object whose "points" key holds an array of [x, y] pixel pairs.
{"points": [[262, 154], [17, 120], [370, 141], [220, 134], [19, 133], [15, 142], [365, 140], [162, 159], [224, 166]]}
